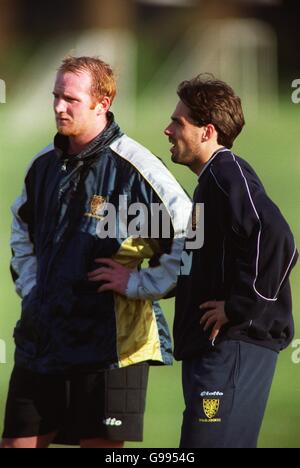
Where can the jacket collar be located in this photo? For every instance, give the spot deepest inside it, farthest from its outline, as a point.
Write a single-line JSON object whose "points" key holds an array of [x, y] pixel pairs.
{"points": [[215, 154], [104, 139]]}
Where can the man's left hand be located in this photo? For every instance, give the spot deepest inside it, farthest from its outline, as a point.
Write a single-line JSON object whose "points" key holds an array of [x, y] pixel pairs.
{"points": [[215, 317], [116, 276]]}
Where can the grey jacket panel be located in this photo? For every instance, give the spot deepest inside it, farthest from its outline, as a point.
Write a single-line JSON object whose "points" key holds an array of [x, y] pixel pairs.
{"points": [[23, 262], [155, 282]]}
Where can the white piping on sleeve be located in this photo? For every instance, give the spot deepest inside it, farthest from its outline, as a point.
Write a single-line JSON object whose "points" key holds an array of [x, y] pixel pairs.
{"points": [[287, 270], [274, 299]]}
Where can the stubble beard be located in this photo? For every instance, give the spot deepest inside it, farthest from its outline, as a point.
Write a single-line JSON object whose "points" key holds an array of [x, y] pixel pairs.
{"points": [[67, 130], [178, 158]]}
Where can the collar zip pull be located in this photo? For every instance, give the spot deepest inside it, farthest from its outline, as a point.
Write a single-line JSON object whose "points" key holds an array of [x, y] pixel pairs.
{"points": [[64, 166]]}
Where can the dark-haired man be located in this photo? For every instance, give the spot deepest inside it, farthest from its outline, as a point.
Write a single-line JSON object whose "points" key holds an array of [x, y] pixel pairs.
{"points": [[239, 278], [233, 301]]}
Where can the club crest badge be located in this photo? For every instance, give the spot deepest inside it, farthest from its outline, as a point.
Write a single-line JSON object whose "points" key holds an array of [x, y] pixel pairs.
{"points": [[211, 408], [97, 207]]}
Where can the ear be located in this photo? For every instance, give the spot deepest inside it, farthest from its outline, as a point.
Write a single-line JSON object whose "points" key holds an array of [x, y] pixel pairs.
{"points": [[103, 106], [209, 132]]}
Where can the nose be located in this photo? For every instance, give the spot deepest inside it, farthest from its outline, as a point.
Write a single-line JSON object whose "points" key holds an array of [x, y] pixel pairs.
{"points": [[60, 106], [167, 131]]}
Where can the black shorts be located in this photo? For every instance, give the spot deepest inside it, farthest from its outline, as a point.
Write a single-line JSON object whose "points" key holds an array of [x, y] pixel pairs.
{"points": [[108, 404]]}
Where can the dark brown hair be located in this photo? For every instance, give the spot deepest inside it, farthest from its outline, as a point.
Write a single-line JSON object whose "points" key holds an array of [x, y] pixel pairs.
{"points": [[214, 102], [103, 78]]}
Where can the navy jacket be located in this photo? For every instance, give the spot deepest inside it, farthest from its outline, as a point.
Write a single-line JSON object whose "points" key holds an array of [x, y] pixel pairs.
{"points": [[246, 259], [66, 326]]}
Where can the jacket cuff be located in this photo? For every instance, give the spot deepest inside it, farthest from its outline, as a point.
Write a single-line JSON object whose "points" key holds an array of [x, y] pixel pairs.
{"points": [[132, 291]]}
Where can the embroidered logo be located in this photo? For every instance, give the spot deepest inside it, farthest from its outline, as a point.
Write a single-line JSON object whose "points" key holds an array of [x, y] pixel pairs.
{"points": [[210, 408], [97, 207], [112, 422]]}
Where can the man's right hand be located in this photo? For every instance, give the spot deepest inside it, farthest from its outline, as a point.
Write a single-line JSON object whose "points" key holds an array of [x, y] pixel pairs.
{"points": [[114, 275], [215, 317]]}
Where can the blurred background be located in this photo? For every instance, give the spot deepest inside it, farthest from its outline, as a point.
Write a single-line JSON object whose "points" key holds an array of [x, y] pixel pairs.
{"points": [[153, 45]]}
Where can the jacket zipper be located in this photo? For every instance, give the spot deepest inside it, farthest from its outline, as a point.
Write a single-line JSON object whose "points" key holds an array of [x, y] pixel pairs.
{"points": [[60, 195]]}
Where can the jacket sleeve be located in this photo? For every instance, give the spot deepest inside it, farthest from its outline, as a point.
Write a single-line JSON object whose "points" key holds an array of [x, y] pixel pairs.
{"points": [[152, 183], [156, 282], [23, 262], [264, 247], [160, 278]]}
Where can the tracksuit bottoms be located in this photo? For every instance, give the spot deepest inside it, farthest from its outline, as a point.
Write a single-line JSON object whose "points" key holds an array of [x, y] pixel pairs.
{"points": [[226, 392]]}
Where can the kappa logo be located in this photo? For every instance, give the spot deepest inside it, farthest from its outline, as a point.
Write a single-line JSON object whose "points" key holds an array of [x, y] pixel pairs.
{"points": [[112, 422], [97, 207]]}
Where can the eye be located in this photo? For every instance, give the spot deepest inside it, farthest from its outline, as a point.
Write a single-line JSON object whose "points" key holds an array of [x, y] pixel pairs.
{"points": [[177, 122]]}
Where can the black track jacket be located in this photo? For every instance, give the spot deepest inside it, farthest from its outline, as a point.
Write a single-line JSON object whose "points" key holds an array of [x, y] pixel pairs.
{"points": [[246, 259]]}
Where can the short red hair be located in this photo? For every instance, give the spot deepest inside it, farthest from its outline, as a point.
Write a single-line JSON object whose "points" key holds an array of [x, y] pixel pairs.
{"points": [[103, 78]]}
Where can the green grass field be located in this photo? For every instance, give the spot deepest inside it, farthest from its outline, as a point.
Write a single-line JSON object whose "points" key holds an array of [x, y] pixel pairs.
{"points": [[270, 143]]}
